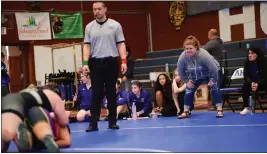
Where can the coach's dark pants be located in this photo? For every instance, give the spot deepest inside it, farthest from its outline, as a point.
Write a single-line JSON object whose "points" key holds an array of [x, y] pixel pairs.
{"points": [[104, 73]]}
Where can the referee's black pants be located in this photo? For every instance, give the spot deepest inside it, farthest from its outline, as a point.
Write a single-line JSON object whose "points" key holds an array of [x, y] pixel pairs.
{"points": [[104, 74]]}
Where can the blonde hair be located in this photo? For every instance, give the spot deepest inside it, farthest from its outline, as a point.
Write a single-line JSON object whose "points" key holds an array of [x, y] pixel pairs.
{"points": [[173, 74], [192, 40], [180, 84]]}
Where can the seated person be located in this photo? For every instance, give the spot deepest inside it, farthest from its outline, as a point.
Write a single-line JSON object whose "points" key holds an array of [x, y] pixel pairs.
{"points": [[164, 101], [16, 106], [42, 131], [122, 108], [255, 76], [84, 98], [141, 98], [178, 93]]}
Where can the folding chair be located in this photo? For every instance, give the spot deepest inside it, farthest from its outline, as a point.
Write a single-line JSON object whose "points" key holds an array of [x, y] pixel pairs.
{"points": [[236, 91], [257, 98]]}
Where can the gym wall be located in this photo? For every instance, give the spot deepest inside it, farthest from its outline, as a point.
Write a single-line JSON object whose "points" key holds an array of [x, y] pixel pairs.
{"points": [[135, 25]]}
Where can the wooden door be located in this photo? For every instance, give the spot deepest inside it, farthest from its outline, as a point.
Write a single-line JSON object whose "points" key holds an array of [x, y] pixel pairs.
{"points": [[15, 74]]}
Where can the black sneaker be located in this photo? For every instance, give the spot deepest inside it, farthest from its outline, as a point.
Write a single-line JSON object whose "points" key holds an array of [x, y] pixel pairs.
{"points": [[91, 129], [23, 139], [50, 144], [114, 126]]}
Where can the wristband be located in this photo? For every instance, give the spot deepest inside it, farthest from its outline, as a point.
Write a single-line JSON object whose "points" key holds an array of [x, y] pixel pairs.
{"points": [[124, 61], [85, 63]]}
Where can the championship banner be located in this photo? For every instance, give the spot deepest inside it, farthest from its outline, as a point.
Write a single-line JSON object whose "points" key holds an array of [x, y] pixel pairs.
{"points": [[67, 25], [33, 26]]}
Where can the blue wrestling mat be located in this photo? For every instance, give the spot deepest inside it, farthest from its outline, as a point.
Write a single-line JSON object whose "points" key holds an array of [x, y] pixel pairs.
{"points": [[203, 132]]}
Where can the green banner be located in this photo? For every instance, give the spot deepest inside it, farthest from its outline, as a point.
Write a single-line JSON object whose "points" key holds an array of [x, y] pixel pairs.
{"points": [[67, 25]]}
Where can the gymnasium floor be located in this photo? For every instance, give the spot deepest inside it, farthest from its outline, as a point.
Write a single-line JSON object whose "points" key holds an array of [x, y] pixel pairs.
{"points": [[203, 132]]}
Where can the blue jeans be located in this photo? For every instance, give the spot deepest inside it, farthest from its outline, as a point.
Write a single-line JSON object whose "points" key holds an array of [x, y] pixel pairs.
{"points": [[214, 89]]}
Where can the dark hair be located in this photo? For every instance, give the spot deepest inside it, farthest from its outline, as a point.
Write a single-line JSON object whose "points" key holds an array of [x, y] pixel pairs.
{"points": [[2, 55], [167, 85], [138, 84], [260, 59], [104, 5]]}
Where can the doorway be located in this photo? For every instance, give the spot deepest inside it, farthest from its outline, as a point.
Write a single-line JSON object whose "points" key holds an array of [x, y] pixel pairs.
{"points": [[14, 66]]}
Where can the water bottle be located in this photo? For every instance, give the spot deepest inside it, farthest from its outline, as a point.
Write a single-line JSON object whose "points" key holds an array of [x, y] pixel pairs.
{"points": [[251, 106], [134, 116], [153, 115], [248, 45], [167, 70], [167, 67]]}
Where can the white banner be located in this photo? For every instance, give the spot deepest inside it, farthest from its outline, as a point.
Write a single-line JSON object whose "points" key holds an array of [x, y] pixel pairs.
{"points": [[33, 26]]}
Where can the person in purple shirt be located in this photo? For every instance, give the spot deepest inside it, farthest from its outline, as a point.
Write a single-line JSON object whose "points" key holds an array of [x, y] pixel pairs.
{"points": [[122, 109], [141, 99], [84, 98], [5, 79]]}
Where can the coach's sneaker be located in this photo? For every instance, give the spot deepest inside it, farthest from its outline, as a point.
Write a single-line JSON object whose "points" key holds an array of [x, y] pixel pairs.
{"points": [[245, 111], [23, 138], [50, 144]]}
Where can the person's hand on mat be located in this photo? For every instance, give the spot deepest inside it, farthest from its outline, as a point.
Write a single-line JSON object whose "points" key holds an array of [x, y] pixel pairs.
{"points": [[138, 114], [123, 68], [211, 83], [86, 69], [124, 78], [88, 113], [190, 84], [159, 109], [75, 98]]}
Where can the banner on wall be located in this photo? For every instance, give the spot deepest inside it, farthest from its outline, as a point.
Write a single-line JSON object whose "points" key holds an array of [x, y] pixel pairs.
{"points": [[33, 26], [67, 25]]}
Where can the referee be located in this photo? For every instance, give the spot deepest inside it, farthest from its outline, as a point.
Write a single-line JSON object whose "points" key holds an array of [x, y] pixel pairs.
{"points": [[102, 41]]}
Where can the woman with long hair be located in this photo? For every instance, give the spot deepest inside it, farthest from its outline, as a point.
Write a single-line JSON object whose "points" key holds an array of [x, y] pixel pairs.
{"points": [[255, 75], [164, 99]]}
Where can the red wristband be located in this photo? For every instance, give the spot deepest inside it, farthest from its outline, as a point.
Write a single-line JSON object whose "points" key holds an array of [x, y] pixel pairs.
{"points": [[124, 61]]}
